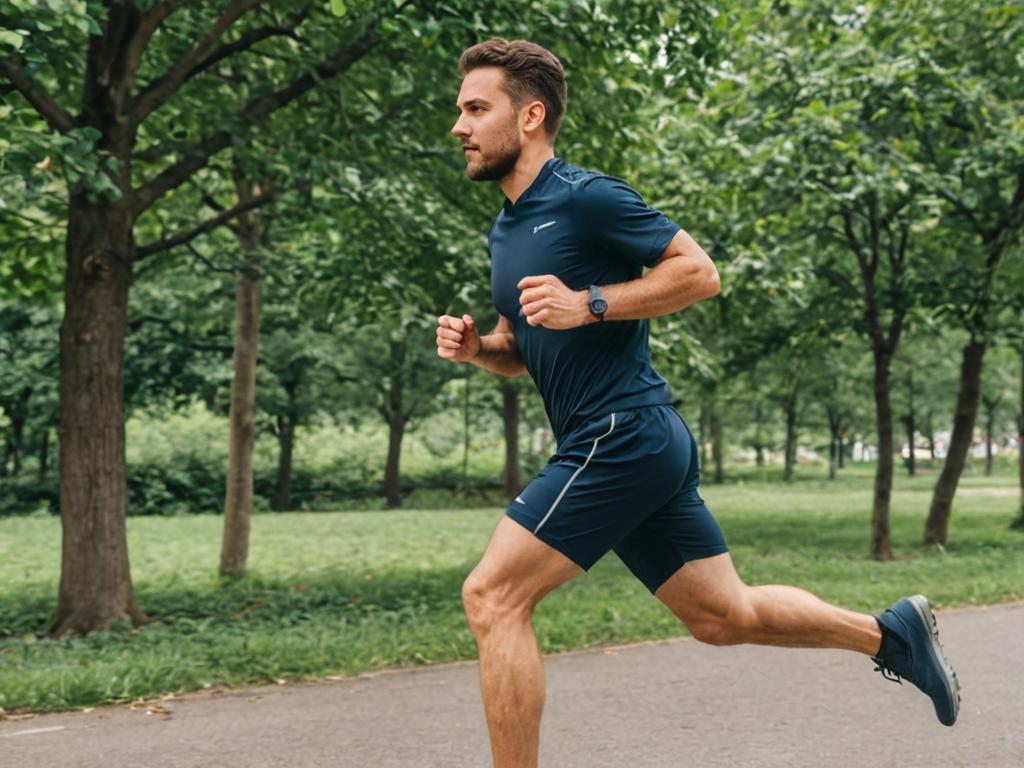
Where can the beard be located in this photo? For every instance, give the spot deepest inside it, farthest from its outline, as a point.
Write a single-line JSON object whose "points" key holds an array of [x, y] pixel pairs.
{"points": [[500, 164]]}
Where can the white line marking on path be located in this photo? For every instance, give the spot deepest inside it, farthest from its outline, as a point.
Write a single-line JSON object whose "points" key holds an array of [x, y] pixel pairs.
{"points": [[34, 730]]}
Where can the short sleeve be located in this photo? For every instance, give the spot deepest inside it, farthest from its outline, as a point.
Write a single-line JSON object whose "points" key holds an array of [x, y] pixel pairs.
{"points": [[614, 216]]}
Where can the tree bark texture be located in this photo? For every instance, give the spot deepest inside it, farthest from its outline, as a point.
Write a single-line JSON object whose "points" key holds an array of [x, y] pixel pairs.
{"points": [[717, 444], [242, 436], [510, 417], [758, 434], [44, 454], [702, 435], [95, 582], [790, 410], [835, 443], [968, 394], [881, 548], [286, 447], [911, 462], [396, 431], [18, 417], [990, 425]]}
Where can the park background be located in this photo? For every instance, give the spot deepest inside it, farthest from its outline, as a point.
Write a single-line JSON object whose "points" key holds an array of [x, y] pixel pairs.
{"points": [[227, 230]]}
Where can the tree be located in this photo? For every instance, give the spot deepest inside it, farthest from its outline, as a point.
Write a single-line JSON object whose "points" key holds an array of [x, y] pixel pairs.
{"points": [[976, 156], [108, 195]]}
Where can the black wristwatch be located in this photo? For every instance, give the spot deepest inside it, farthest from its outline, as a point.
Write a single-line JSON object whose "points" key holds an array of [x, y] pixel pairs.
{"points": [[598, 303]]}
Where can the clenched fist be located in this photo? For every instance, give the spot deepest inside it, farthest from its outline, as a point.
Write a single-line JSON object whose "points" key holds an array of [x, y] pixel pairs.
{"points": [[457, 338], [548, 302]]}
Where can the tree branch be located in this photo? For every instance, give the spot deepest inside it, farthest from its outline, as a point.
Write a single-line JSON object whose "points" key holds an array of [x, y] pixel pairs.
{"points": [[165, 244], [156, 93], [37, 96], [247, 41], [140, 38], [257, 110], [209, 264]]}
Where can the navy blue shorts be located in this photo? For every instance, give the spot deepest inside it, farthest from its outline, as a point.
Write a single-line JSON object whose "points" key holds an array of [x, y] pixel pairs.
{"points": [[627, 481]]}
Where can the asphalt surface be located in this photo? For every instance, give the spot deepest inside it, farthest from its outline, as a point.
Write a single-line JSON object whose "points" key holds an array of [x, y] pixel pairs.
{"points": [[655, 705]]}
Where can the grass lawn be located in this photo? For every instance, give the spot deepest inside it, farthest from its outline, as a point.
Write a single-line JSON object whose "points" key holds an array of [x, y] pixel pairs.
{"points": [[344, 592]]}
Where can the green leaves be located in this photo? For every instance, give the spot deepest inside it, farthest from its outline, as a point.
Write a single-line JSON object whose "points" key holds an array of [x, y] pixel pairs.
{"points": [[12, 39]]}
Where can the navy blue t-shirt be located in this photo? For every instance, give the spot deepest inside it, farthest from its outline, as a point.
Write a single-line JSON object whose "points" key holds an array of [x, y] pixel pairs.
{"points": [[586, 229]]}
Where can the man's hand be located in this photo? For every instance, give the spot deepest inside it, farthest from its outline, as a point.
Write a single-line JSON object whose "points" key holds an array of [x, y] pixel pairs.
{"points": [[548, 302], [457, 339]]}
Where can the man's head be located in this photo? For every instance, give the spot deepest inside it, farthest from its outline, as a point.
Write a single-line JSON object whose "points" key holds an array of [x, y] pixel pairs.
{"points": [[512, 92]]}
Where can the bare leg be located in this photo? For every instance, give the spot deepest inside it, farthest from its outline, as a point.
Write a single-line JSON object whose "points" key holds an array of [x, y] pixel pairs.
{"points": [[516, 571], [718, 608]]}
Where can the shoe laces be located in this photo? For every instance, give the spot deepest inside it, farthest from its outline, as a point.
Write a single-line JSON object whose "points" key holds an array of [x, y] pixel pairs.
{"points": [[888, 673]]}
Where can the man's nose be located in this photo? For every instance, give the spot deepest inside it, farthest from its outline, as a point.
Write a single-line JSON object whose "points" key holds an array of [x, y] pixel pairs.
{"points": [[459, 129]]}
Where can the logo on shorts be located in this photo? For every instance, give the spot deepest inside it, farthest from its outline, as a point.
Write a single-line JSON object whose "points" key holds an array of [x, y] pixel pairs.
{"points": [[519, 500], [545, 225]]}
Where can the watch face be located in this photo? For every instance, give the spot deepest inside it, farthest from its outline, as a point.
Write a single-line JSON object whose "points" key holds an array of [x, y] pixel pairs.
{"points": [[598, 306]]}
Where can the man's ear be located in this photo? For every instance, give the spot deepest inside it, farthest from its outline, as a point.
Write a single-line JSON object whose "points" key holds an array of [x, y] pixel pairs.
{"points": [[534, 117]]}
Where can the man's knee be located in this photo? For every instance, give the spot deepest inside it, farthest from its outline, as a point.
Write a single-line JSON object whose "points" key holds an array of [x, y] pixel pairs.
{"points": [[732, 624], [489, 603]]}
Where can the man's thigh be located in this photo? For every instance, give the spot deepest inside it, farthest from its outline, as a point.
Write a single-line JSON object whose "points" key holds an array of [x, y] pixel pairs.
{"points": [[519, 568], [703, 590]]}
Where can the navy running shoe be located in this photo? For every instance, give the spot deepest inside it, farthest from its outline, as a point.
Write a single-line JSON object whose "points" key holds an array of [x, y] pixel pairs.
{"points": [[913, 653]]}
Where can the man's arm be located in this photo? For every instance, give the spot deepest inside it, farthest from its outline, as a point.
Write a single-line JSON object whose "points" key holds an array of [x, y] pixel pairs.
{"points": [[459, 340], [682, 276]]}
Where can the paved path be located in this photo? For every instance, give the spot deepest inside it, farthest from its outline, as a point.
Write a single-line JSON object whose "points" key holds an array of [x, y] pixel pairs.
{"points": [[654, 705]]}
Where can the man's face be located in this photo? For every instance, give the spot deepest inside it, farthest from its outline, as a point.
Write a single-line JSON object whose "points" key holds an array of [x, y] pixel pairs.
{"points": [[487, 126]]}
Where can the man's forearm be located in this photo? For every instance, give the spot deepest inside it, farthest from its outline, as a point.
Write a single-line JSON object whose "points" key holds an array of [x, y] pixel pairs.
{"points": [[668, 287], [500, 354]]}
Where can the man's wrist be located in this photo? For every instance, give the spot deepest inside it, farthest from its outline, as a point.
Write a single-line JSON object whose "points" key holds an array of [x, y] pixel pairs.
{"points": [[596, 303]]}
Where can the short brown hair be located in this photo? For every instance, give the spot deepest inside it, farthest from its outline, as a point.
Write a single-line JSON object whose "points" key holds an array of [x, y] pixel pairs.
{"points": [[529, 69]]}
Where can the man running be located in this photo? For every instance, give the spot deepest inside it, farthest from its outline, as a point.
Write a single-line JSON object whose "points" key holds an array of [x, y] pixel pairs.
{"points": [[568, 252]]}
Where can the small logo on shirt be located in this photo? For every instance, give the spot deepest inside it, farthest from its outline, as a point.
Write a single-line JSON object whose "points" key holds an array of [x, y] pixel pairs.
{"points": [[545, 225], [519, 499]]}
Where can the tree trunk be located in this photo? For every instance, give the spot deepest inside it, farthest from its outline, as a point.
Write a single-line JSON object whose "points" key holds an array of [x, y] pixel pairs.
{"points": [[396, 430], [510, 416], [841, 447], [758, 435], [910, 422], [95, 581], [835, 442], [930, 435], [242, 436], [790, 409], [881, 546], [911, 461], [717, 444], [286, 445], [937, 526], [18, 419], [702, 432], [44, 454], [990, 425]]}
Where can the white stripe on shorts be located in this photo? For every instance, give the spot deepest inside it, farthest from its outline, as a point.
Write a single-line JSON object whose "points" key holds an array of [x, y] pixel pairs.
{"points": [[576, 474]]}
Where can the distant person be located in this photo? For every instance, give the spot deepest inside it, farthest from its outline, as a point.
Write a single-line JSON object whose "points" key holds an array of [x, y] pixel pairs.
{"points": [[568, 250]]}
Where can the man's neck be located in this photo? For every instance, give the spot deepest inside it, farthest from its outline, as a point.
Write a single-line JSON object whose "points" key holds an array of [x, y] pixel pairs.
{"points": [[521, 177]]}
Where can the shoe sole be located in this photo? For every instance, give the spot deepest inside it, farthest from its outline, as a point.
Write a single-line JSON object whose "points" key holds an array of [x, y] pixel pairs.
{"points": [[924, 611]]}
